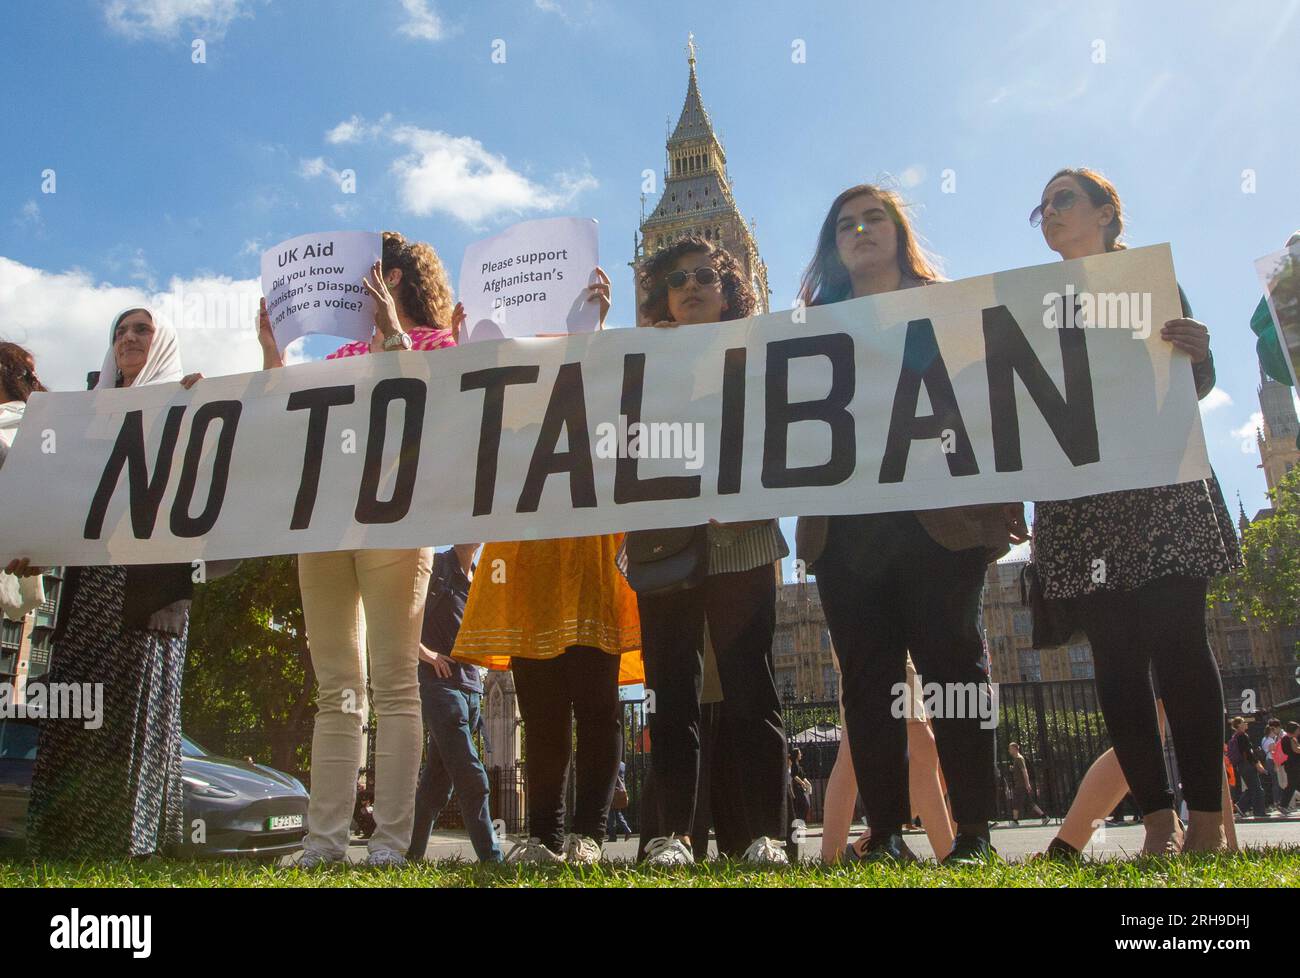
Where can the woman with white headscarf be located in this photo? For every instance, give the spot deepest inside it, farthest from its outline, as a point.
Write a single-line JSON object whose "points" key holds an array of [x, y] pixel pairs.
{"points": [[115, 790]]}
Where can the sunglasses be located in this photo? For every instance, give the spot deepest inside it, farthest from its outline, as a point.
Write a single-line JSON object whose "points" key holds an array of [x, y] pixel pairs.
{"points": [[704, 275], [1062, 200]]}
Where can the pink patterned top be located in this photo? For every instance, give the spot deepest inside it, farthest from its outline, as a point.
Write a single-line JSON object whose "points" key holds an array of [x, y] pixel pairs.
{"points": [[422, 338]]}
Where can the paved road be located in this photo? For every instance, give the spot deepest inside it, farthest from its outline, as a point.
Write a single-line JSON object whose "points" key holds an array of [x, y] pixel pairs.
{"points": [[1012, 842]]}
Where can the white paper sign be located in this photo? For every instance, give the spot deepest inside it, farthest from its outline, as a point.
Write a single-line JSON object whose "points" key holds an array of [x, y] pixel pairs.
{"points": [[953, 394], [531, 280], [312, 284], [1280, 275]]}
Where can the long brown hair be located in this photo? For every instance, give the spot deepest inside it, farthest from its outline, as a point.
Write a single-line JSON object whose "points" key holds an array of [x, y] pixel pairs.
{"points": [[827, 280], [18, 372], [653, 276], [424, 292], [1101, 192]]}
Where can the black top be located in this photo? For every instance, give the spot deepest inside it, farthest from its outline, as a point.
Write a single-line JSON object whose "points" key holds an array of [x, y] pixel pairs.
{"points": [[149, 588], [448, 592], [1249, 753]]}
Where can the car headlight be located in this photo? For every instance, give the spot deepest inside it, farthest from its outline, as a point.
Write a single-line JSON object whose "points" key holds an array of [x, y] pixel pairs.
{"points": [[205, 789]]}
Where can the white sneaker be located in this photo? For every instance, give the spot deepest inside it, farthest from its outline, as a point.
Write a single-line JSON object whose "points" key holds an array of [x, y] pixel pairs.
{"points": [[581, 850], [385, 857], [765, 851], [668, 851], [314, 859], [532, 851]]}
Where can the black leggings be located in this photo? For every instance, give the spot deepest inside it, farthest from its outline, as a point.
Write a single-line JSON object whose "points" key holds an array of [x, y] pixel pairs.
{"points": [[1160, 624], [581, 684]]}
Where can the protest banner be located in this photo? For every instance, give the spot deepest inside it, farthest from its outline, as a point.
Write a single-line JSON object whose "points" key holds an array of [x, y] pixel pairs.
{"points": [[312, 284], [1048, 382], [530, 280]]}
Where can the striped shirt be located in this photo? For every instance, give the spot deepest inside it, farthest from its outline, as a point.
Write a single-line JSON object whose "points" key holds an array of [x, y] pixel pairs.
{"points": [[422, 338], [741, 548]]}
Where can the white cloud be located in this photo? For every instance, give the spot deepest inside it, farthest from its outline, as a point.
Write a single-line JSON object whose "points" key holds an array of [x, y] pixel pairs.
{"points": [[912, 176], [63, 319], [356, 129], [423, 22], [456, 175], [163, 19], [317, 167], [1247, 433], [29, 216], [1217, 398]]}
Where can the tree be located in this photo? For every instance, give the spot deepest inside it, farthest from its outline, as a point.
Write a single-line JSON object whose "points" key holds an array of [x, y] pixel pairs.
{"points": [[1267, 588], [249, 684]]}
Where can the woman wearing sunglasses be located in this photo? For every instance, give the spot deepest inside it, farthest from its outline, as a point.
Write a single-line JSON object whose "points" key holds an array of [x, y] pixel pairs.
{"points": [[891, 583], [687, 283], [1159, 546]]}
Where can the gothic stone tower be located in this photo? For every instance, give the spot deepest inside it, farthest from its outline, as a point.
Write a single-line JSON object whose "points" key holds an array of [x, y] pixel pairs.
{"points": [[1277, 435], [696, 195]]}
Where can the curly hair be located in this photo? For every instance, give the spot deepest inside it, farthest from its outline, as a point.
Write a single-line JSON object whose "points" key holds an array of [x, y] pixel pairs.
{"points": [[653, 278], [17, 372], [424, 293]]}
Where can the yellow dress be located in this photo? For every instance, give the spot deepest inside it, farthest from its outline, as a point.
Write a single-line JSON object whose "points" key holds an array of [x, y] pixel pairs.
{"points": [[536, 598]]}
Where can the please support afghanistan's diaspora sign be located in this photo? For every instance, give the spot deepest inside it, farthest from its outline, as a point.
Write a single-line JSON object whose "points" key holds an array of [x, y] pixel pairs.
{"points": [[1041, 383]]}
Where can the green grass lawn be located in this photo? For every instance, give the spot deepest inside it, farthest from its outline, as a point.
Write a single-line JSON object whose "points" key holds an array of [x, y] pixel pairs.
{"points": [[1275, 867]]}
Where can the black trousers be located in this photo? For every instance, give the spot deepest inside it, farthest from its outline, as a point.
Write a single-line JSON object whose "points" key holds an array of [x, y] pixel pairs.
{"points": [[740, 610], [718, 806], [580, 684], [1292, 784], [887, 588], [1162, 624]]}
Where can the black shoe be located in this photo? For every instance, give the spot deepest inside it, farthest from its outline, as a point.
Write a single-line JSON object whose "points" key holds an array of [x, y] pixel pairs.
{"points": [[970, 850], [888, 848], [1060, 851]]}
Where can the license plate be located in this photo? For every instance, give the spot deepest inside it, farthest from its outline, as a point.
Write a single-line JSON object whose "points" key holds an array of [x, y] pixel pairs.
{"points": [[277, 822]]}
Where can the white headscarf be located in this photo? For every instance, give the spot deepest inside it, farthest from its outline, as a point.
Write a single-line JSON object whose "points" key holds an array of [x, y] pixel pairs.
{"points": [[163, 365]]}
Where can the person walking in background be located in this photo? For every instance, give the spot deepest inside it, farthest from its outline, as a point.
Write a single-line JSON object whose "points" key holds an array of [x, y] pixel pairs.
{"points": [[800, 796], [1249, 762], [1272, 770], [1022, 789], [617, 821], [1291, 765], [451, 695]]}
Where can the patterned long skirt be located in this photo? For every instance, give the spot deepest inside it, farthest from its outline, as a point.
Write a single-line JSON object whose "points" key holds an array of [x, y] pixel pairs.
{"points": [[114, 791]]}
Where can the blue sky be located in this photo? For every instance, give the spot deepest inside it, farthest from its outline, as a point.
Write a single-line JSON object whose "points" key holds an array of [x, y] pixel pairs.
{"points": [[168, 169]]}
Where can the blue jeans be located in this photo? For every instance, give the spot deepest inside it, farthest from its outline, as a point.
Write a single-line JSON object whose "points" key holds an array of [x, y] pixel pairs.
{"points": [[451, 715]]}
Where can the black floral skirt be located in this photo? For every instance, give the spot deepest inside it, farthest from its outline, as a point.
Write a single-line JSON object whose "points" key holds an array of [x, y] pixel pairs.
{"points": [[1120, 541]]}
